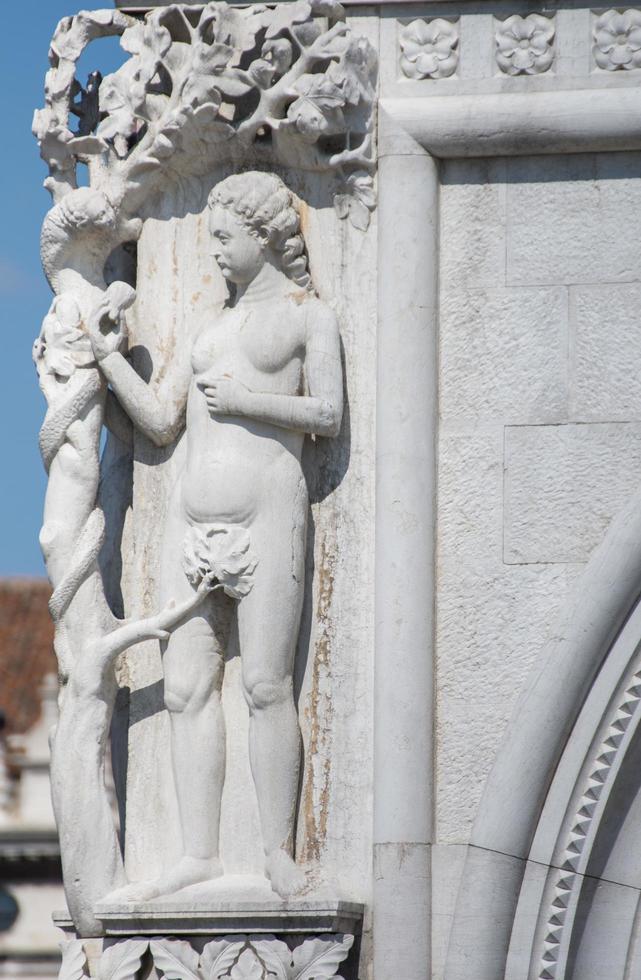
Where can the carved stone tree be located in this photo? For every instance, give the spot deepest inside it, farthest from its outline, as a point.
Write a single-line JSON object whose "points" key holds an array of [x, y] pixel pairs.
{"points": [[205, 91]]}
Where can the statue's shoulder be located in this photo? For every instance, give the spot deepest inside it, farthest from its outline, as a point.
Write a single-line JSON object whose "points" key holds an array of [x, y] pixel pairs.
{"points": [[319, 316]]}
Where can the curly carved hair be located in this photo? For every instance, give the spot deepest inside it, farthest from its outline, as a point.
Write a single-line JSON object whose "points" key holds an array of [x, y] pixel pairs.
{"points": [[266, 207]]}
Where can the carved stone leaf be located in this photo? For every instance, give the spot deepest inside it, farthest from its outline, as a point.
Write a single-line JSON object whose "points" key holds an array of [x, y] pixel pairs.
{"points": [[175, 958], [247, 968], [318, 110], [328, 8], [218, 956], [156, 39], [319, 958], [262, 72], [276, 955], [237, 28], [212, 58], [355, 71], [122, 960], [73, 960], [222, 552], [359, 214], [341, 205], [320, 90], [201, 89], [116, 102], [282, 17]]}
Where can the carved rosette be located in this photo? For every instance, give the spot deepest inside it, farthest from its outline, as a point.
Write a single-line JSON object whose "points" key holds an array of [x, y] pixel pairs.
{"points": [[617, 40], [227, 958], [429, 48], [525, 45]]}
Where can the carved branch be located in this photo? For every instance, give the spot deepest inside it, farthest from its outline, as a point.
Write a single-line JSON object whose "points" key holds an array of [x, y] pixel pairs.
{"points": [[171, 91]]}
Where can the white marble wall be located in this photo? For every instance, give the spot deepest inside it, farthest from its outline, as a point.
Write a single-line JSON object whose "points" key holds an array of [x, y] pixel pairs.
{"points": [[540, 430]]}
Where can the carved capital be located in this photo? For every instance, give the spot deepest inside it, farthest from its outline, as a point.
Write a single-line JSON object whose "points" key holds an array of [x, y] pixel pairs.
{"points": [[237, 957]]}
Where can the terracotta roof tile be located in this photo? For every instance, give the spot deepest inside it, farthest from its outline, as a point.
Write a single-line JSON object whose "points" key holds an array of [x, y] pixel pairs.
{"points": [[26, 650]]}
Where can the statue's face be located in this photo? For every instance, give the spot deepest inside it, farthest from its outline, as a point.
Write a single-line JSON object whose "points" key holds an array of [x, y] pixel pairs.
{"points": [[239, 255]]}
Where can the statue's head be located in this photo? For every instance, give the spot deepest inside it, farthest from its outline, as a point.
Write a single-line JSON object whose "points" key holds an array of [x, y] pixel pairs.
{"points": [[253, 220]]}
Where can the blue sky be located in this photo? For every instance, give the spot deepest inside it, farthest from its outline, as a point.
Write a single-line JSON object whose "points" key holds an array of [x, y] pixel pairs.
{"points": [[24, 293]]}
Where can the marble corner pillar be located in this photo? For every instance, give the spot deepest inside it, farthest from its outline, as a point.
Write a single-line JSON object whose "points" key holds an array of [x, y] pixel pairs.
{"points": [[405, 542]]}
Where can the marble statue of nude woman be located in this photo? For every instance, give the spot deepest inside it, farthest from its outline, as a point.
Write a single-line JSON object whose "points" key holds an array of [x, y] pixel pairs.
{"points": [[264, 373]]}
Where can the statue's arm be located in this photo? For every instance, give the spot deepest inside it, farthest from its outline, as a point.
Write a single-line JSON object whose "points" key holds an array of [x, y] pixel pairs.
{"points": [[319, 410], [117, 420], [160, 419]]}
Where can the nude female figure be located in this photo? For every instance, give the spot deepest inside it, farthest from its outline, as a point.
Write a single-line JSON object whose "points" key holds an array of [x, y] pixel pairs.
{"points": [[266, 372]]}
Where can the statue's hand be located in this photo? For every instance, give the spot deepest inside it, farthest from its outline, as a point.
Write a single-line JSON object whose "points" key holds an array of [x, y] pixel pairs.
{"points": [[106, 324], [225, 396]]}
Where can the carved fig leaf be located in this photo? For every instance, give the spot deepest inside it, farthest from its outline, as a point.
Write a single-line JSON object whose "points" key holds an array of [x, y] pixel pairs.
{"points": [[228, 25], [328, 8], [281, 18], [262, 72], [122, 960], [319, 958], [175, 958], [358, 200], [279, 53], [116, 100], [247, 968], [317, 111], [218, 956], [355, 71], [62, 346], [73, 960], [222, 552]]}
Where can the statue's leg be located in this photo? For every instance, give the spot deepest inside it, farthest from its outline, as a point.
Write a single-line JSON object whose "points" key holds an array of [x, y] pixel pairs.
{"points": [[193, 666], [268, 624]]}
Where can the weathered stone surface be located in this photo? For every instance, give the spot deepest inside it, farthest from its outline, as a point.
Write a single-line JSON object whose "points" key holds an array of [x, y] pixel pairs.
{"points": [[503, 355], [494, 622], [605, 352], [563, 485], [558, 208], [473, 202]]}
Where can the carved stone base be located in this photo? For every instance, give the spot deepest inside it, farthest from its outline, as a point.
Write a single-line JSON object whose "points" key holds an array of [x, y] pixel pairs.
{"points": [[237, 957], [277, 941]]}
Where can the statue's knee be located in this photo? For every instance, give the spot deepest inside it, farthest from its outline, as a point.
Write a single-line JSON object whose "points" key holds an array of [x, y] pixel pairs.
{"points": [[265, 694], [176, 698], [183, 694]]}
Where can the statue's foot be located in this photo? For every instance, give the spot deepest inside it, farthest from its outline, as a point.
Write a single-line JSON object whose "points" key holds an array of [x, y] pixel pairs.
{"points": [[286, 877], [137, 891], [188, 871]]}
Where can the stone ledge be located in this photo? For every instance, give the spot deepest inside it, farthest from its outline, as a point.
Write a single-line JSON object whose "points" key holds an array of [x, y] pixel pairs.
{"points": [[225, 918], [140, 8]]}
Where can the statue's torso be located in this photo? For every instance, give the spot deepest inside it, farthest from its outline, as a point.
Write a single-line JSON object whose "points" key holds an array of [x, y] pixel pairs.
{"points": [[233, 462]]}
